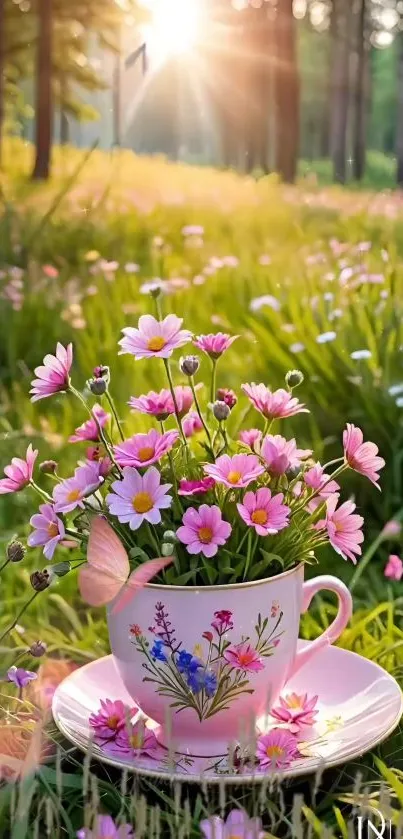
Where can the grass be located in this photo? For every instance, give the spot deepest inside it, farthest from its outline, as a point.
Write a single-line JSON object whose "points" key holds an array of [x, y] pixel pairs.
{"points": [[68, 250]]}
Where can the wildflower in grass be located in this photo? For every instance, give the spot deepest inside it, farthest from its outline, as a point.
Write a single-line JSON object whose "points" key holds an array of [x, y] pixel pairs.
{"points": [[89, 430], [192, 230], [235, 472], [343, 528], [216, 344], [203, 530], [277, 749], [159, 405], [225, 394], [394, 568], [360, 355], [251, 437], [297, 347], [111, 717], [244, 657], [391, 529], [266, 300], [154, 338], [138, 498], [280, 454], [19, 472], [144, 449], [192, 424], [49, 530], [326, 337], [71, 492], [266, 513], [296, 710], [133, 741], [360, 456], [20, 677], [196, 487], [54, 375], [184, 399], [105, 828], [273, 405], [237, 826], [222, 621]]}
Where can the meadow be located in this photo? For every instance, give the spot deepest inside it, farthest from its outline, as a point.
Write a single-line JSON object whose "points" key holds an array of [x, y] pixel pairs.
{"points": [[310, 278]]}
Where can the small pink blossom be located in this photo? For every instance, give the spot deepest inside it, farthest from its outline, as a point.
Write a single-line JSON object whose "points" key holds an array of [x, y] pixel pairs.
{"points": [[214, 344], [277, 749], [222, 621], [154, 338], [111, 717], [144, 449], [316, 479], [266, 513], [343, 528], [95, 454], [280, 454], [244, 657], [296, 710], [203, 530], [70, 493], [159, 405], [196, 487], [273, 405], [138, 498], [237, 826], [50, 271], [49, 530], [89, 430], [19, 472], [251, 437], [133, 741], [237, 471], [391, 529], [54, 375], [360, 456], [394, 568], [192, 424], [184, 399]]}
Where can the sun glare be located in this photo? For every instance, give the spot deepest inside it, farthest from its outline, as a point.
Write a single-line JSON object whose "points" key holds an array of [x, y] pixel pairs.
{"points": [[173, 29]]}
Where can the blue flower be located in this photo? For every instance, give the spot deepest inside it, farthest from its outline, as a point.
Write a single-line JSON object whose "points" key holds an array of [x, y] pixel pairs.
{"points": [[210, 683], [157, 651], [195, 680], [187, 663]]}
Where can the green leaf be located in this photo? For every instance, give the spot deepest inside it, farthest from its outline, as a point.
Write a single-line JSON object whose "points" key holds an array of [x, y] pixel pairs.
{"points": [[138, 553]]}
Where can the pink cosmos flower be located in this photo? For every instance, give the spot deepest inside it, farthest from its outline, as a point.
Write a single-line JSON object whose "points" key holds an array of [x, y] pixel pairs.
{"points": [[159, 405], [276, 405], [196, 487], [203, 530], [251, 437], [316, 479], [89, 429], [111, 717], [391, 529], [296, 710], [277, 749], [394, 568], [266, 513], [192, 424], [154, 338], [216, 344], [144, 449], [54, 374], [19, 472], [343, 528], [105, 828], [360, 456], [244, 657], [184, 399], [139, 498], [49, 530], [281, 455], [133, 741], [236, 471], [70, 493], [237, 826], [95, 454]]}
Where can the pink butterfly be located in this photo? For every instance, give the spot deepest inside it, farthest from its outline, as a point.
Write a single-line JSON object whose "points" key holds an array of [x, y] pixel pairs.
{"points": [[107, 570]]}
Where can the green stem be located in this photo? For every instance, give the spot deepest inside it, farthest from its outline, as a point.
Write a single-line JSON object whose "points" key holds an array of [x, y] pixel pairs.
{"points": [[213, 380], [248, 555], [245, 535], [21, 612], [267, 426], [4, 564], [74, 533], [80, 397], [198, 409], [153, 539], [115, 414], [44, 495], [364, 562], [172, 389]]}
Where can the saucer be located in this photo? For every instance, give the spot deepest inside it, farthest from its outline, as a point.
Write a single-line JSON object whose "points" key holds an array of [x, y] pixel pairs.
{"points": [[358, 705]]}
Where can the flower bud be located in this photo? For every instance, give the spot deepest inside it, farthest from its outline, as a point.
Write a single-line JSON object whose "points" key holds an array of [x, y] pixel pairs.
{"points": [[189, 365], [15, 552], [61, 568], [97, 386], [221, 411], [167, 549], [38, 649], [41, 579], [224, 394], [48, 467], [170, 536], [102, 372], [155, 291], [294, 378]]}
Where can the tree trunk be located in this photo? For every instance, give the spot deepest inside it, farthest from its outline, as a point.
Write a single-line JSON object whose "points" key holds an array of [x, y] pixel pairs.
{"points": [[340, 87], [399, 131], [2, 45], [44, 110], [287, 89], [360, 96]]}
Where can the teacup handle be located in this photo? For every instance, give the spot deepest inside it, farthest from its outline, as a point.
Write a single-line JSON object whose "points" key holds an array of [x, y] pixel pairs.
{"points": [[333, 632]]}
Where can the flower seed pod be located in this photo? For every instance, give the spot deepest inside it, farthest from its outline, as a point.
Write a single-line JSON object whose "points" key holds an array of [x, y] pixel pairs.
{"points": [[221, 411], [102, 372], [38, 649], [97, 386], [167, 549], [189, 364], [41, 580], [294, 378], [15, 552], [48, 467]]}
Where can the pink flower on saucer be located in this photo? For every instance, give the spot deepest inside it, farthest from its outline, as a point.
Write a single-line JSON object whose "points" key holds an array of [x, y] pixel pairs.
{"points": [[133, 741], [277, 749], [296, 710], [111, 717], [244, 657]]}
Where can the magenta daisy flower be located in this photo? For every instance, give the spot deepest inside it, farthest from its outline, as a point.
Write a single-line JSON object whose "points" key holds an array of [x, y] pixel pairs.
{"points": [[281, 455], [251, 437], [296, 710], [49, 530], [236, 471], [316, 479], [70, 493], [266, 513], [244, 657], [394, 568], [216, 344], [19, 472], [154, 338], [95, 454], [277, 749], [273, 405], [89, 430], [54, 375], [237, 826], [360, 456], [105, 828], [192, 424], [139, 498], [159, 405], [203, 530], [196, 487], [133, 741], [111, 717], [184, 399], [343, 528], [144, 449]]}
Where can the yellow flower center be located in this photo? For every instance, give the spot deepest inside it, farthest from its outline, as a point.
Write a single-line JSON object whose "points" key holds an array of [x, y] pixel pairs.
{"points": [[157, 343], [142, 502], [53, 530], [274, 752], [293, 701], [136, 740], [259, 517], [233, 836], [113, 722], [146, 454], [205, 535], [74, 495], [233, 477]]}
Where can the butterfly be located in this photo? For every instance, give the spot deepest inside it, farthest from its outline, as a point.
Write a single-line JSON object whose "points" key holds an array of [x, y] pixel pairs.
{"points": [[107, 572]]}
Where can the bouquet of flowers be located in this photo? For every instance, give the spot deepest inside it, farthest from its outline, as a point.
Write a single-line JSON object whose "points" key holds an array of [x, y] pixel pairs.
{"points": [[213, 508]]}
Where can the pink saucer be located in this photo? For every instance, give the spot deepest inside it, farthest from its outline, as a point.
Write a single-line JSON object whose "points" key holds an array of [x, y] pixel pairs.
{"points": [[359, 705]]}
